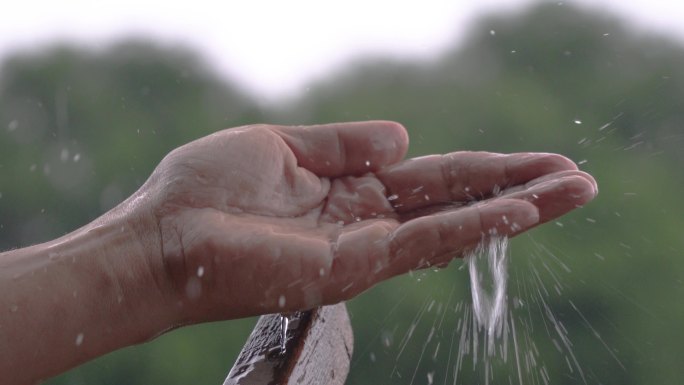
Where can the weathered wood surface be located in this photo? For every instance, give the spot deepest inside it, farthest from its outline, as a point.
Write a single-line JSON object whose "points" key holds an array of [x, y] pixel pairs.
{"points": [[318, 350]]}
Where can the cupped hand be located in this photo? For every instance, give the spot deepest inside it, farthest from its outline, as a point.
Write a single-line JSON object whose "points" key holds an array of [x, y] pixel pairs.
{"points": [[263, 219]]}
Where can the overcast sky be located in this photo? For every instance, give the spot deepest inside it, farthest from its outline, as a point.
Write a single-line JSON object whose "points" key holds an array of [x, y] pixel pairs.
{"points": [[275, 47]]}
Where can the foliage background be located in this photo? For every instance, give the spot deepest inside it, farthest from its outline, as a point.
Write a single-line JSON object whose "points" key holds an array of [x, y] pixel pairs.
{"points": [[81, 129]]}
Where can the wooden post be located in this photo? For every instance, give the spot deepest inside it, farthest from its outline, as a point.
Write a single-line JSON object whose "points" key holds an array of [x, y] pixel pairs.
{"points": [[318, 350]]}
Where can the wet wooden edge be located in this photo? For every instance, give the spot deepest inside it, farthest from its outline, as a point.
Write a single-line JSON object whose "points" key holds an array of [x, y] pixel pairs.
{"points": [[317, 351]]}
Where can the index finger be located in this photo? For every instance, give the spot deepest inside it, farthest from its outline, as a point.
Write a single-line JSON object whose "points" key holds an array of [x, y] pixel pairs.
{"points": [[346, 148]]}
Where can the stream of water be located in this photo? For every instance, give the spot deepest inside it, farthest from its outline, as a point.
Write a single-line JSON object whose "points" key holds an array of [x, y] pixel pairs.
{"points": [[488, 267]]}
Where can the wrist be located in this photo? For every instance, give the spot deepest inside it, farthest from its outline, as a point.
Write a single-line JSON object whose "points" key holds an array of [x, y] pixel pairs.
{"points": [[97, 286], [129, 249]]}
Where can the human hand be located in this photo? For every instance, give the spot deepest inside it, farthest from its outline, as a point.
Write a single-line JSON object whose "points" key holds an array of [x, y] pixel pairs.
{"points": [[264, 219]]}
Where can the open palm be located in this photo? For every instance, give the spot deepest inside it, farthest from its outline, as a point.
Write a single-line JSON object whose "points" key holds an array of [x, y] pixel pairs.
{"points": [[262, 219]]}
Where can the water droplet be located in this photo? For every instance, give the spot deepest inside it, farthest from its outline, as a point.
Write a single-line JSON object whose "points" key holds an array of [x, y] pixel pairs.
{"points": [[200, 271], [281, 301], [79, 339], [583, 161], [577, 121], [347, 287], [64, 155], [284, 325], [13, 125], [430, 377], [193, 288], [368, 163], [518, 303], [386, 339], [321, 272], [392, 197], [33, 168], [492, 32], [77, 157]]}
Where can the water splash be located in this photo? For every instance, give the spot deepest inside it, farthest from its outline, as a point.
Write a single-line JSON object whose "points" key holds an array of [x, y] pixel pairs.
{"points": [[492, 341]]}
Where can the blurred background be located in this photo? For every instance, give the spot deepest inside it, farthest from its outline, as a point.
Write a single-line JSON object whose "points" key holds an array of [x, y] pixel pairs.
{"points": [[93, 96]]}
